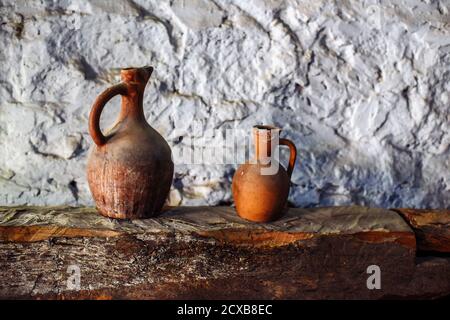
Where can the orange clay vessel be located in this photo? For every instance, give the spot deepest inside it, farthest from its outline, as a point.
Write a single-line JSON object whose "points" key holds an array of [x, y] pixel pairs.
{"points": [[129, 169], [261, 187]]}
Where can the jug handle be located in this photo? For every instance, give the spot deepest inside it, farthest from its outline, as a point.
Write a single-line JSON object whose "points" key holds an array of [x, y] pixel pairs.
{"points": [[97, 108], [292, 156]]}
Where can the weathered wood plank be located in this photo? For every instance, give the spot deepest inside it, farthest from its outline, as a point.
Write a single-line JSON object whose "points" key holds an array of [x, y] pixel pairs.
{"points": [[221, 223], [432, 228], [203, 252]]}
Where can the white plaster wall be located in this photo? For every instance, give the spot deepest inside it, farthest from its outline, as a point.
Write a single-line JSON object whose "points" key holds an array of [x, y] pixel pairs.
{"points": [[362, 87]]}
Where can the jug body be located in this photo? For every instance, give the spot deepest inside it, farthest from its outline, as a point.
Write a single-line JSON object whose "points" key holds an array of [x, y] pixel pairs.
{"points": [[130, 169], [261, 187]]}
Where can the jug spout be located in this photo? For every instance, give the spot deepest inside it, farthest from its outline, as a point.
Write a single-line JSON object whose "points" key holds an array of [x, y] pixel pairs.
{"points": [[136, 75]]}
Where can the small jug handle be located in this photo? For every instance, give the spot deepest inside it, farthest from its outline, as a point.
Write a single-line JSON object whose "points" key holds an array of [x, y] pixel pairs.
{"points": [[292, 156], [97, 108]]}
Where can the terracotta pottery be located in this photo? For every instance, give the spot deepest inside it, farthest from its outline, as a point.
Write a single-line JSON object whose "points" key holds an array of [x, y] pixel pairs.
{"points": [[261, 187], [130, 168]]}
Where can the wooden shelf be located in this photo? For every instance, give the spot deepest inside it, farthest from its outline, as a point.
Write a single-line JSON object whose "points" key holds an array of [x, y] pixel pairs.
{"points": [[211, 253]]}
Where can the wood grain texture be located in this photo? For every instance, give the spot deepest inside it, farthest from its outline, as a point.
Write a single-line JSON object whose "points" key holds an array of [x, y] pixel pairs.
{"points": [[211, 253], [432, 228]]}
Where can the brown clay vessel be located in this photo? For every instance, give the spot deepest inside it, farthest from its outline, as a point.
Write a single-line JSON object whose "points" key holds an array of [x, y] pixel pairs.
{"points": [[130, 168], [261, 187]]}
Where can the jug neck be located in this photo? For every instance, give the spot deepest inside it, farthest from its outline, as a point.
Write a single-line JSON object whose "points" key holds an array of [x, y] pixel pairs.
{"points": [[132, 104], [265, 140]]}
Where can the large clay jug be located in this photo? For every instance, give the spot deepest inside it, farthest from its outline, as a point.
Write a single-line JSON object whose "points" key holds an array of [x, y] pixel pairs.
{"points": [[130, 168], [261, 187]]}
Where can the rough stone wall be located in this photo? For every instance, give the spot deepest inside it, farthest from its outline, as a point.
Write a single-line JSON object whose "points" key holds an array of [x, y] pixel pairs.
{"points": [[362, 87]]}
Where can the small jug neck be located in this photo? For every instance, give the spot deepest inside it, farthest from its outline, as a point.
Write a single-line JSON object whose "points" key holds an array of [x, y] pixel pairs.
{"points": [[265, 139]]}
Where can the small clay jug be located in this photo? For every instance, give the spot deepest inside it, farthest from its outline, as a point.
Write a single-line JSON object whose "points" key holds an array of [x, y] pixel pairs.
{"points": [[261, 187], [130, 168]]}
